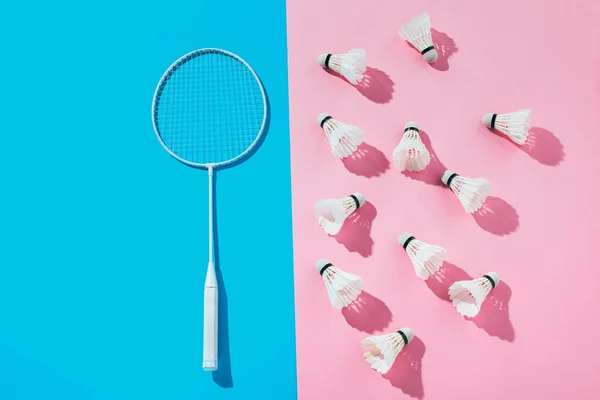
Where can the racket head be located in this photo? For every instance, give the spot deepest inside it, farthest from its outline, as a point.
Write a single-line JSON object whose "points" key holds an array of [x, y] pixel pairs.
{"points": [[209, 108]]}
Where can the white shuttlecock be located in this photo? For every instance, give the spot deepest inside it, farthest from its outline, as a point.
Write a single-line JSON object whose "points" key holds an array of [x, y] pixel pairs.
{"points": [[343, 138], [426, 259], [515, 125], [381, 351], [467, 296], [411, 154], [331, 213], [471, 192], [417, 32], [351, 65], [342, 287]]}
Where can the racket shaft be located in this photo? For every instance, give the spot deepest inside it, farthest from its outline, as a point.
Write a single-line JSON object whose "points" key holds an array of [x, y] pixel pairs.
{"points": [[211, 320]]}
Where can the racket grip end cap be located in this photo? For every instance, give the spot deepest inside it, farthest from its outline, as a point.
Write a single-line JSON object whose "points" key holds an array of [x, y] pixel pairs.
{"points": [[210, 365]]}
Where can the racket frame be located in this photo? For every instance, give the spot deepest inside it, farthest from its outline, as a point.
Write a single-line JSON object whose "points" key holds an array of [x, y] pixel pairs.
{"points": [[211, 315], [164, 79]]}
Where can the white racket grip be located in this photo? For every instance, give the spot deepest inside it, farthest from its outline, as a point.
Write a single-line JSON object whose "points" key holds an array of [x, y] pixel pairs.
{"points": [[211, 320]]}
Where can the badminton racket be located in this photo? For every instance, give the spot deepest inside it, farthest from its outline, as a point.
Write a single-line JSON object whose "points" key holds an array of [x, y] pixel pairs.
{"points": [[209, 110]]}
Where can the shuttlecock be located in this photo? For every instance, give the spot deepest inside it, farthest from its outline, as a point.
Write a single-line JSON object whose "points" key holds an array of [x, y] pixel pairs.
{"points": [[417, 32], [411, 154], [467, 296], [342, 287], [381, 351], [351, 65], [343, 138], [331, 213], [426, 259], [515, 125], [470, 192]]}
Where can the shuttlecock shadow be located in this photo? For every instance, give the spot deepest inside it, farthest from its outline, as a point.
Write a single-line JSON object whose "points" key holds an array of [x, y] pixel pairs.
{"points": [[441, 281], [222, 376], [376, 86], [406, 373], [367, 313], [445, 47], [432, 173], [355, 234], [493, 316], [367, 161], [544, 147], [497, 217]]}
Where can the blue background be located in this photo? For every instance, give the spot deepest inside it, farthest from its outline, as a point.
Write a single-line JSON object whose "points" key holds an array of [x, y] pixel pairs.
{"points": [[103, 244]]}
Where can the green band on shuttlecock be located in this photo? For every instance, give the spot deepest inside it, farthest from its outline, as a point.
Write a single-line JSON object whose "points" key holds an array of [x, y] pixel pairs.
{"points": [[493, 123], [403, 337], [410, 239], [454, 175], [425, 50], [327, 118], [325, 268], [355, 200], [491, 280], [411, 128]]}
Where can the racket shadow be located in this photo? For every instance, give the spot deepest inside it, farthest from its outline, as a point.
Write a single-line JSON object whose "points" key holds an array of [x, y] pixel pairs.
{"points": [[222, 376]]}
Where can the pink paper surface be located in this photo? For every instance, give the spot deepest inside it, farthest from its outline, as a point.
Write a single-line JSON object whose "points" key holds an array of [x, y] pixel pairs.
{"points": [[536, 336]]}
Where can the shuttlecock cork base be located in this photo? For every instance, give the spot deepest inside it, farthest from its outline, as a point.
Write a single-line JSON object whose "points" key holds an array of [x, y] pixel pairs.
{"points": [[430, 54], [407, 335], [404, 239], [324, 60], [489, 120], [411, 126], [322, 118], [493, 278], [448, 177], [322, 266], [358, 198]]}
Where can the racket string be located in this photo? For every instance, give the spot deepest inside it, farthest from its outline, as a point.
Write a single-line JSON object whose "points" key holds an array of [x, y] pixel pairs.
{"points": [[210, 109]]}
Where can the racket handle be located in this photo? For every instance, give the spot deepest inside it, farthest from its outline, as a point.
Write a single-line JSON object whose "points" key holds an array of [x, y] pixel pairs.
{"points": [[211, 320]]}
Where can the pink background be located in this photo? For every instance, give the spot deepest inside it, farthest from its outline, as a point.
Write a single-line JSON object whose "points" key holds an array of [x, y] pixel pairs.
{"points": [[536, 336]]}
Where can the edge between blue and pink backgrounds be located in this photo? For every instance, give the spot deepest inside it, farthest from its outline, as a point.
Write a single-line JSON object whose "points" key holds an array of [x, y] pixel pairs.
{"points": [[104, 235]]}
